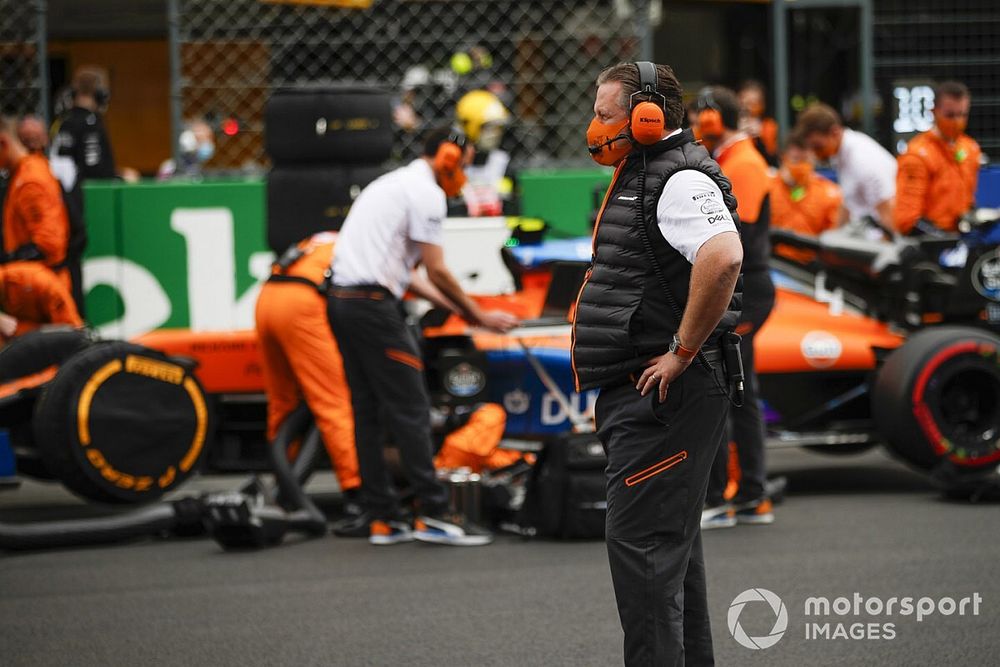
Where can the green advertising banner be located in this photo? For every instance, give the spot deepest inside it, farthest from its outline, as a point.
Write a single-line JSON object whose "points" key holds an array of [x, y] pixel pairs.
{"points": [[174, 255]]}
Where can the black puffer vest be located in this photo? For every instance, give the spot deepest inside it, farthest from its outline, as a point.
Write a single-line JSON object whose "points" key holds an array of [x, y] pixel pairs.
{"points": [[623, 317]]}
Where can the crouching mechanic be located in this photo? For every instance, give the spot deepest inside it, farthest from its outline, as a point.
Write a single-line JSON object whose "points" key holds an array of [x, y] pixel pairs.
{"points": [[31, 296], [660, 291], [394, 224], [301, 359]]}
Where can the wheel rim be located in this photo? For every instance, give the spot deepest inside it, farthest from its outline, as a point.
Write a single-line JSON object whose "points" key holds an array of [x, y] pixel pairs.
{"points": [[957, 403]]}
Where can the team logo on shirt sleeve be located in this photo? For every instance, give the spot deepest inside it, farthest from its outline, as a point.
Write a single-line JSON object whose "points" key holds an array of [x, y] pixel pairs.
{"points": [[712, 207]]}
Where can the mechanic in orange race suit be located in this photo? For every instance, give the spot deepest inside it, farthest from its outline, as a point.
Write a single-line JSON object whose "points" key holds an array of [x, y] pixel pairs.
{"points": [[938, 174], [301, 358], [743, 165], [802, 201], [31, 295], [35, 222]]}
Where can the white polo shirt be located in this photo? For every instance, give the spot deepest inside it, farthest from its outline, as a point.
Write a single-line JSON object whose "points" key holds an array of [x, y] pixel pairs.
{"points": [[378, 241], [691, 210], [866, 173]]}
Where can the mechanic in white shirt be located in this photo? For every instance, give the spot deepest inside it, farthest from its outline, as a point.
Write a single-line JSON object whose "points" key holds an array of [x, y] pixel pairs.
{"points": [[866, 172], [394, 225]]}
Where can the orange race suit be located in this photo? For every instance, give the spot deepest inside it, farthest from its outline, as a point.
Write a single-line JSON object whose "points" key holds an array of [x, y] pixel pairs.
{"points": [[808, 209], [35, 222], [33, 295], [936, 181], [301, 357]]}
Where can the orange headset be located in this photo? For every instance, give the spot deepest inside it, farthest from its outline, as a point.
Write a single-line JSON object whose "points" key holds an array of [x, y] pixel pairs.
{"points": [[447, 163], [646, 120], [709, 115]]}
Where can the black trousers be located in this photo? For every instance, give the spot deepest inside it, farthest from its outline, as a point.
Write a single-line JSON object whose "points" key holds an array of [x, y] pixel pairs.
{"points": [[385, 373], [747, 422], [659, 459]]}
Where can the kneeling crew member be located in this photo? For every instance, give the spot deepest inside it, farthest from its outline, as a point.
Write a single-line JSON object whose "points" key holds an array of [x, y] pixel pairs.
{"points": [[301, 358], [938, 173], [394, 224], [31, 295], [667, 257]]}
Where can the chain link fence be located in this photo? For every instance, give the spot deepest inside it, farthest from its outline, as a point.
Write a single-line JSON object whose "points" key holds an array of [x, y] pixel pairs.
{"points": [[541, 57], [23, 62], [937, 40]]}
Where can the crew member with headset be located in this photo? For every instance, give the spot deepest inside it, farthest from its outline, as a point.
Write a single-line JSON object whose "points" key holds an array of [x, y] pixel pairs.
{"points": [[81, 150], [743, 164], [393, 225], [301, 359], [655, 306]]}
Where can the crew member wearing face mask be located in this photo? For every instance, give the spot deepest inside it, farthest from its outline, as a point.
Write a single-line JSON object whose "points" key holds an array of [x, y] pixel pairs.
{"points": [[939, 171], [802, 201], [197, 146], [866, 172], [659, 294], [394, 225], [744, 166]]}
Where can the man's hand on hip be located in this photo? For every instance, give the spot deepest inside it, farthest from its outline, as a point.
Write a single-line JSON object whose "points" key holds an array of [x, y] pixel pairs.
{"points": [[660, 372]]}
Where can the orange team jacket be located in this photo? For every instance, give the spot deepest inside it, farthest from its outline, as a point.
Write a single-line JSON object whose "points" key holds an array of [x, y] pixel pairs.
{"points": [[302, 360], [936, 181], [34, 211], [746, 169], [32, 294], [808, 210]]}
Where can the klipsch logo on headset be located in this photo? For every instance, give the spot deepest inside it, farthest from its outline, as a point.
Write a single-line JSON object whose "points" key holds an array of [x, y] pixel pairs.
{"points": [[464, 380], [986, 275], [773, 605]]}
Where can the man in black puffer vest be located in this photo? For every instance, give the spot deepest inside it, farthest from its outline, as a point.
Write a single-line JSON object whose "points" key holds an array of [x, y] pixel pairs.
{"points": [[658, 297]]}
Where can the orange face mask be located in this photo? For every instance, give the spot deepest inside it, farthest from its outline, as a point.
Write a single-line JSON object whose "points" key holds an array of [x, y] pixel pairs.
{"points": [[827, 150], [800, 172], [608, 143], [951, 128]]}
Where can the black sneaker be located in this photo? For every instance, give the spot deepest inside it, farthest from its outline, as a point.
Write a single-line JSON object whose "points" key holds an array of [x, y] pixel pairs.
{"points": [[353, 526], [451, 530]]}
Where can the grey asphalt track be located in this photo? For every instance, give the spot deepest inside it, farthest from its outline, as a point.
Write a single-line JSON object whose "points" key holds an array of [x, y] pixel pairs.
{"points": [[850, 524]]}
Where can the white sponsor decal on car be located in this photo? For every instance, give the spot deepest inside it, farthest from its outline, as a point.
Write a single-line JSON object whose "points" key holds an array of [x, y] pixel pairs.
{"points": [[821, 349]]}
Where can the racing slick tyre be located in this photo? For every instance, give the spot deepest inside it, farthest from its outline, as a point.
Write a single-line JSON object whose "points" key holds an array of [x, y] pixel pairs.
{"points": [[121, 423], [329, 124], [937, 399], [304, 200]]}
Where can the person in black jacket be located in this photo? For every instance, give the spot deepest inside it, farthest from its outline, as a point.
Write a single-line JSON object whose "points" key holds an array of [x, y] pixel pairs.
{"points": [[659, 295], [81, 150]]}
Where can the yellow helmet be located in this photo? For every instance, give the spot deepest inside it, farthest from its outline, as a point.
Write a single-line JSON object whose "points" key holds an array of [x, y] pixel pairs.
{"points": [[477, 109]]}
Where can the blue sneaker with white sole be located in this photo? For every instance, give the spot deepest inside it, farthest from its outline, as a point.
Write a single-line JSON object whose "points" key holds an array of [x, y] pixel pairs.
{"points": [[454, 531]]}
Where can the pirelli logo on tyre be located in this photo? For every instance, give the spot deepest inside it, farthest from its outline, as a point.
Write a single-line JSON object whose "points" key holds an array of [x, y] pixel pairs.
{"points": [[158, 370], [122, 423]]}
